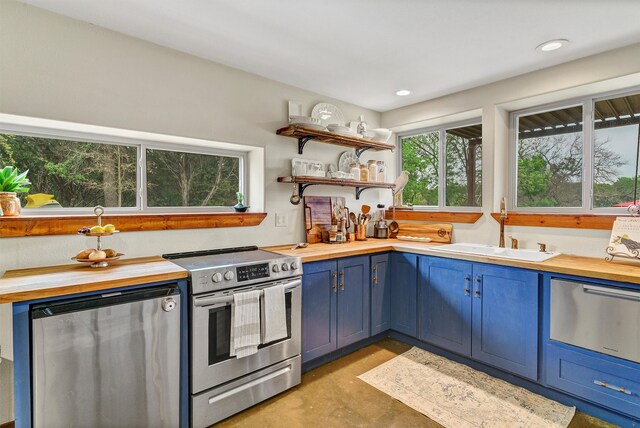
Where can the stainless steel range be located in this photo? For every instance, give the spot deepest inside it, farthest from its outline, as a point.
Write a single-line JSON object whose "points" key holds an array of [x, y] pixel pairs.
{"points": [[221, 384]]}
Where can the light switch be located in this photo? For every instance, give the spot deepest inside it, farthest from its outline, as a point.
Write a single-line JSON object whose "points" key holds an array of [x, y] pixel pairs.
{"points": [[281, 220]]}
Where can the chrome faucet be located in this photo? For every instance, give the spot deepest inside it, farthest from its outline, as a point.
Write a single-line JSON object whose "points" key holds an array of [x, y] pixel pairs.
{"points": [[514, 243], [503, 217]]}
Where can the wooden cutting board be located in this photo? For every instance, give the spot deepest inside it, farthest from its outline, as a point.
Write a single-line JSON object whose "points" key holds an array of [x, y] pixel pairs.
{"points": [[317, 215], [437, 232]]}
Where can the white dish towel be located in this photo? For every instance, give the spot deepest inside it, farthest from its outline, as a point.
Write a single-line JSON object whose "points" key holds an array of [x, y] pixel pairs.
{"points": [[274, 316], [245, 324]]}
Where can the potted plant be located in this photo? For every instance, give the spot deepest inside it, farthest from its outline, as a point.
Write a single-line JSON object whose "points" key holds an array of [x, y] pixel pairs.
{"points": [[12, 183], [240, 207]]}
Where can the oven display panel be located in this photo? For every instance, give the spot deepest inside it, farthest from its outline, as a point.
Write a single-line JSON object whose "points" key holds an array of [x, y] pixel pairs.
{"points": [[247, 273]]}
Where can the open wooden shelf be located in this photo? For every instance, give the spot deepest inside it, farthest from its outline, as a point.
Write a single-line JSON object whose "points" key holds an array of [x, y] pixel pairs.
{"points": [[69, 224], [303, 182], [573, 221], [304, 135]]}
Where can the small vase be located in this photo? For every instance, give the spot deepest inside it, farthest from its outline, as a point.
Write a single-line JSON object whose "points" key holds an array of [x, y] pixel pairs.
{"points": [[9, 204], [240, 207]]}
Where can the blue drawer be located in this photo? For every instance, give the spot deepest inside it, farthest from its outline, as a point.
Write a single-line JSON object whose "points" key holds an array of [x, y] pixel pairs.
{"points": [[598, 379]]}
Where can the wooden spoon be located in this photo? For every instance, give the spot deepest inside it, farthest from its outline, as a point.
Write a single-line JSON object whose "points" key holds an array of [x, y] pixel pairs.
{"points": [[366, 209]]}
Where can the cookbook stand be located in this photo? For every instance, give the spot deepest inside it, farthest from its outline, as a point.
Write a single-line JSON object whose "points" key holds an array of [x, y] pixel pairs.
{"points": [[629, 225]]}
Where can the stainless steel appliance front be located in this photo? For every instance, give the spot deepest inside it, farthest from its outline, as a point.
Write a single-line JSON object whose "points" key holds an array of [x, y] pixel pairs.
{"points": [[600, 318], [108, 361], [211, 364]]}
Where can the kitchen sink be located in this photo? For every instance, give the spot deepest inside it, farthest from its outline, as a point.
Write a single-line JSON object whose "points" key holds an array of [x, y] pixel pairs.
{"points": [[492, 251]]}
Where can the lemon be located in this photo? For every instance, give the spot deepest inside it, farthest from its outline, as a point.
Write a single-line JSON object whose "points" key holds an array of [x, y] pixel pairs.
{"points": [[109, 228], [97, 229]]}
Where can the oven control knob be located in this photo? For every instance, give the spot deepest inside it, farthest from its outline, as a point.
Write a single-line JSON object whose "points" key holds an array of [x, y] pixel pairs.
{"points": [[285, 266], [216, 277], [276, 268], [294, 266], [228, 275]]}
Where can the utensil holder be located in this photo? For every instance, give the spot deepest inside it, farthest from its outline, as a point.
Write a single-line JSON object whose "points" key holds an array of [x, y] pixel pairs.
{"points": [[361, 232]]}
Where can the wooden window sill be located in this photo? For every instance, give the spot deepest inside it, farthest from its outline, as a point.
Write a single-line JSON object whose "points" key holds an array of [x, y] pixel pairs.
{"points": [[573, 221], [69, 224], [447, 216]]}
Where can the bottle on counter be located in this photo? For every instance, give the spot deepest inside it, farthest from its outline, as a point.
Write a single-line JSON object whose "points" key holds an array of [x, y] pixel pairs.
{"points": [[372, 166], [333, 232], [364, 173], [381, 176], [355, 170]]}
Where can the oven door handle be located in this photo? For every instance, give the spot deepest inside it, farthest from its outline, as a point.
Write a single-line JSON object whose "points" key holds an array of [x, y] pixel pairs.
{"points": [[208, 301]]}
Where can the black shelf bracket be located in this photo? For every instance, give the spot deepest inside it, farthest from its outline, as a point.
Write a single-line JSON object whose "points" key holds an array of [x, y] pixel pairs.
{"points": [[359, 190], [361, 151], [301, 143], [301, 188]]}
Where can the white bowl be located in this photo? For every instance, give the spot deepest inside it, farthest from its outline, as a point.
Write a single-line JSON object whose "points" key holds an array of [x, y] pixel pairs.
{"points": [[380, 135]]}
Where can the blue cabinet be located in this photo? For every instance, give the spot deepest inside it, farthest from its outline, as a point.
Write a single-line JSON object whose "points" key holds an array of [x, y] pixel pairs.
{"points": [[353, 300], [404, 293], [319, 309], [380, 293], [505, 318], [489, 313], [445, 303], [335, 305], [605, 380]]}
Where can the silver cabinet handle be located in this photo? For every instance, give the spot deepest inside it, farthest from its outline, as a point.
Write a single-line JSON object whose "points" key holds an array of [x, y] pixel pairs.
{"points": [[613, 387], [611, 292]]}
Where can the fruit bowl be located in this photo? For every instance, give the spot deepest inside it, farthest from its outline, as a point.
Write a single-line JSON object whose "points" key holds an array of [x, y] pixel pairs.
{"points": [[100, 263], [99, 234]]}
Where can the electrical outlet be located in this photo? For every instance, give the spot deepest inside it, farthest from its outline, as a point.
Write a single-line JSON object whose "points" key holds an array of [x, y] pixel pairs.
{"points": [[281, 220]]}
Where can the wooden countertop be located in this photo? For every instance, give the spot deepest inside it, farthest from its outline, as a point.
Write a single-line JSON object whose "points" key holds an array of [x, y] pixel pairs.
{"points": [[619, 270], [38, 283]]}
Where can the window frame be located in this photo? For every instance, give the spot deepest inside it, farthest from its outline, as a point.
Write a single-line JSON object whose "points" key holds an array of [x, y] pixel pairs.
{"points": [[442, 167], [141, 146], [588, 153]]}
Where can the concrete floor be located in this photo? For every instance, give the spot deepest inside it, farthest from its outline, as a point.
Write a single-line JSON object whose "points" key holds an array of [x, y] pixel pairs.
{"points": [[333, 396]]}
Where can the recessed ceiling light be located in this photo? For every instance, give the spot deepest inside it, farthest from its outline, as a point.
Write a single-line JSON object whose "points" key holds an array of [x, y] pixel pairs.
{"points": [[403, 92], [552, 45]]}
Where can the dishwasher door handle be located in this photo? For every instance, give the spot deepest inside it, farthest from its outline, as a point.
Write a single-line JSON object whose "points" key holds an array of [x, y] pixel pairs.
{"points": [[612, 292]]}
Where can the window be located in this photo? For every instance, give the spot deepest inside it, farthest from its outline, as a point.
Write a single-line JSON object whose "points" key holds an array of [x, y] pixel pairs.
{"points": [[579, 157], [445, 167], [126, 176]]}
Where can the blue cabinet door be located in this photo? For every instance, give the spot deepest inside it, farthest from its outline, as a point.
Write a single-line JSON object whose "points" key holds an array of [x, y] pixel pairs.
{"points": [[380, 293], [445, 303], [353, 300], [319, 305], [505, 318], [404, 293]]}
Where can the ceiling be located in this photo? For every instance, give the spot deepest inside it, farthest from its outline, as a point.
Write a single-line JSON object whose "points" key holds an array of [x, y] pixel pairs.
{"points": [[363, 51]]}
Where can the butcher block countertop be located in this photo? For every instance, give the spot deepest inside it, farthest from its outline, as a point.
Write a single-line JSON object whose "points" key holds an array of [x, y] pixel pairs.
{"points": [[619, 270], [39, 283]]}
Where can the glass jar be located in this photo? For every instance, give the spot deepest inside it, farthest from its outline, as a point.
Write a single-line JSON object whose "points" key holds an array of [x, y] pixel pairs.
{"points": [[364, 173], [9, 204], [381, 176], [373, 170], [355, 170]]}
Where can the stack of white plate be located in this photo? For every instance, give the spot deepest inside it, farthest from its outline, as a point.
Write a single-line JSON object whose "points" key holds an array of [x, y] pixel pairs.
{"points": [[341, 130], [306, 122]]}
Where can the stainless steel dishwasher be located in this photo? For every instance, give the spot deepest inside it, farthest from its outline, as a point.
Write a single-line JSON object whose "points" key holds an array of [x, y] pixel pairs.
{"points": [[600, 318], [111, 360]]}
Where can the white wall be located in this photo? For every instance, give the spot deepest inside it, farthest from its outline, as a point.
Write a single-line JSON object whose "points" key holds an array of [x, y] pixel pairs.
{"points": [[72, 71], [600, 73], [57, 68]]}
